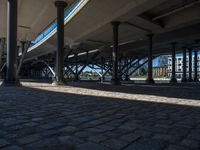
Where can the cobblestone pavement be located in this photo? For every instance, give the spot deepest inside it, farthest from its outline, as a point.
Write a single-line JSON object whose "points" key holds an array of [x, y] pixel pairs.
{"points": [[91, 116]]}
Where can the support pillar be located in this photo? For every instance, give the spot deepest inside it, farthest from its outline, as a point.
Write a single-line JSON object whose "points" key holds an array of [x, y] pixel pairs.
{"points": [[102, 69], [11, 64], [2, 44], [127, 71], [173, 77], [115, 75], [76, 71], [196, 66], [149, 79], [190, 65], [184, 79], [59, 77]]}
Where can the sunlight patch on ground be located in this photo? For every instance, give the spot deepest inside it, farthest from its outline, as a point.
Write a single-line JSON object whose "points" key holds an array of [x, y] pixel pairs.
{"points": [[109, 94]]}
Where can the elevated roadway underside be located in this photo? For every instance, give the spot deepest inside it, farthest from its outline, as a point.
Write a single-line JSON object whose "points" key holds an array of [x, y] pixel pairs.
{"points": [[170, 21], [88, 30]]}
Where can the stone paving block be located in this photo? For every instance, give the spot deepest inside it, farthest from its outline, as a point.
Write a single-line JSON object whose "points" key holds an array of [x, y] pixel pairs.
{"points": [[130, 137], [69, 129], [159, 130], [50, 132], [106, 128], [11, 136], [176, 147], [42, 143], [84, 134], [37, 119], [31, 124], [143, 133], [193, 144], [194, 135], [13, 122], [115, 144], [182, 132], [168, 138], [3, 142], [70, 140], [29, 139], [49, 144], [97, 138], [148, 144], [91, 146], [95, 130], [51, 125], [12, 147]]}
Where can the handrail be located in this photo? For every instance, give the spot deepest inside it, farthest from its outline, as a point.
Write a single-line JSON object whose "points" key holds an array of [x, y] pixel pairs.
{"points": [[52, 25], [69, 15]]}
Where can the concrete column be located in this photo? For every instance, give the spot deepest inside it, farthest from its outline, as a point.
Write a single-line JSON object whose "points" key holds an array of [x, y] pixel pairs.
{"points": [[149, 79], [173, 78], [184, 79], [11, 64], [59, 80], [190, 65], [196, 66], [115, 76]]}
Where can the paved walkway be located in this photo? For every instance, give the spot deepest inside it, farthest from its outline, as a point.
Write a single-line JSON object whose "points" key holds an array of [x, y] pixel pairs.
{"points": [[91, 116]]}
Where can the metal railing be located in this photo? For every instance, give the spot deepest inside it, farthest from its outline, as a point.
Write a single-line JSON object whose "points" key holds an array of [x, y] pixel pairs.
{"points": [[53, 25]]}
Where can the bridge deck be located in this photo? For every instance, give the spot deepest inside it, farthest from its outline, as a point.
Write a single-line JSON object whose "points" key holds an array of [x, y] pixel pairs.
{"points": [[99, 117]]}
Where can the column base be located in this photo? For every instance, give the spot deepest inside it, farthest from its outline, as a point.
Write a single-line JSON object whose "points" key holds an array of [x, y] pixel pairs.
{"points": [[58, 83], [115, 82], [102, 79], [184, 80], [173, 80], [190, 80], [196, 80], [11, 83], [127, 78], [76, 80], [150, 81]]}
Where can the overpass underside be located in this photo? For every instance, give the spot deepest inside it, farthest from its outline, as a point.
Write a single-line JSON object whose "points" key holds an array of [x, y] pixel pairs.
{"points": [[116, 38], [113, 38]]}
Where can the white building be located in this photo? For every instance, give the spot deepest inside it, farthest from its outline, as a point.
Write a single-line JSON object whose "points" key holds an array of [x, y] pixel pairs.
{"points": [[179, 66]]}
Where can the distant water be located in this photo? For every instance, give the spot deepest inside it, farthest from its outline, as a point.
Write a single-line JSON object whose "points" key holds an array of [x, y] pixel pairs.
{"points": [[95, 78]]}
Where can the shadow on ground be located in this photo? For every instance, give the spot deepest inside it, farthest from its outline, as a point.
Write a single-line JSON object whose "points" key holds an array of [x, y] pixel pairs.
{"points": [[181, 90], [42, 119]]}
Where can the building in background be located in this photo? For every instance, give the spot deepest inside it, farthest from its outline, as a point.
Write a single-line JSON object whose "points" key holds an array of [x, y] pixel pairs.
{"points": [[163, 61], [179, 66], [160, 68], [160, 71]]}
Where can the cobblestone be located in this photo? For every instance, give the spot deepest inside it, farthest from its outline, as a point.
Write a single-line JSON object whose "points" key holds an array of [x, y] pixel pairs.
{"points": [[3, 143], [83, 116]]}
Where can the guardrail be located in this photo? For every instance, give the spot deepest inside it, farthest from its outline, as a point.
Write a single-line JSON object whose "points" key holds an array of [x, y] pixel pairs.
{"points": [[53, 25], [49, 32]]}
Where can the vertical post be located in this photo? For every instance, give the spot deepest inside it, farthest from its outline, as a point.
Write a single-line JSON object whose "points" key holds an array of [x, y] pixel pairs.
{"points": [[115, 77], [127, 70], [149, 79], [102, 69], [190, 65], [2, 44], [173, 78], [76, 73], [184, 79], [196, 66], [11, 64], [59, 79]]}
